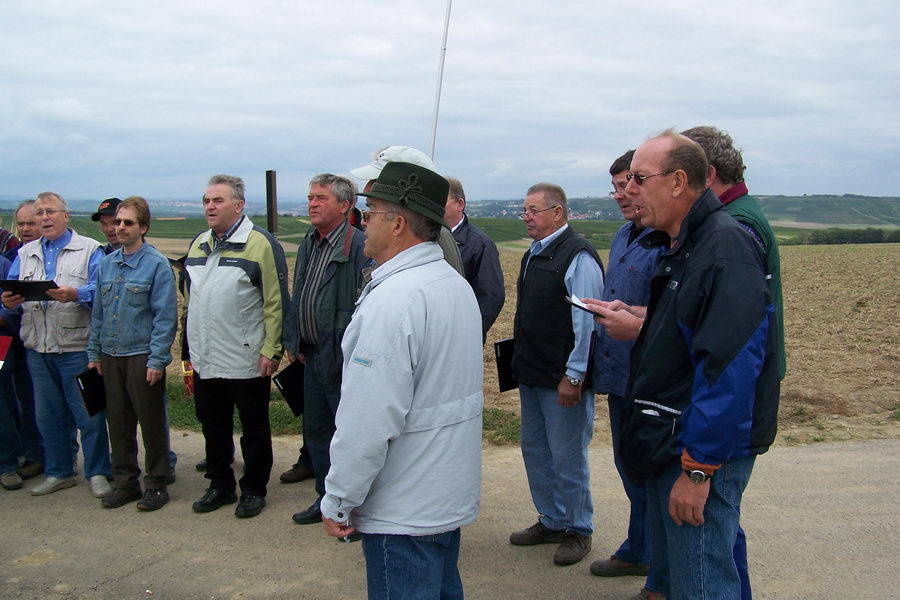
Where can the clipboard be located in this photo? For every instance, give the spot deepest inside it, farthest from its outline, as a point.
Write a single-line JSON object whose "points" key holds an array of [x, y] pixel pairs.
{"points": [[32, 291], [93, 391], [503, 352], [290, 383]]}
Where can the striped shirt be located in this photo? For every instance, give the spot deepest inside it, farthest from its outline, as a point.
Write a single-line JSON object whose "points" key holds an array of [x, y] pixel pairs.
{"points": [[323, 248]]}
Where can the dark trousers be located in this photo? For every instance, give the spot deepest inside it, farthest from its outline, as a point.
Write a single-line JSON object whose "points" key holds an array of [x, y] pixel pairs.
{"points": [[131, 400], [320, 403], [215, 401]]}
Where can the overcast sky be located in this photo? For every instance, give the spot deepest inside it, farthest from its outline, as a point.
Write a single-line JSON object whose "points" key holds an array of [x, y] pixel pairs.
{"points": [[103, 99]]}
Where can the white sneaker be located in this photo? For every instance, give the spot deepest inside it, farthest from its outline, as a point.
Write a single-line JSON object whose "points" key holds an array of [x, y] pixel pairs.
{"points": [[52, 484], [100, 487]]}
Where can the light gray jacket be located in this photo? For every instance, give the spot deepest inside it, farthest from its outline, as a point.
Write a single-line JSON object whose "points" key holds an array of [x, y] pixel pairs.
{"points": [[406, 457]]}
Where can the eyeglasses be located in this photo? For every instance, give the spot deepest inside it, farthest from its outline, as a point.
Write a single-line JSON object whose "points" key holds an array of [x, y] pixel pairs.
{"points": [[49, 212], [125, 222], [530, 212], [640, 179], [367, 214]]}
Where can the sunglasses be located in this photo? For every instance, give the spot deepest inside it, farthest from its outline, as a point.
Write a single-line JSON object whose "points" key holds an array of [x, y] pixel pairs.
{"points": [[640, 179], [367, 214], [125, 222]]}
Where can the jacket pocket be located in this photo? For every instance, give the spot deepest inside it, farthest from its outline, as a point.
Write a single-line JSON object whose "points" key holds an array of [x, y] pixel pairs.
{"points": [[649, 438], [138, 293]]}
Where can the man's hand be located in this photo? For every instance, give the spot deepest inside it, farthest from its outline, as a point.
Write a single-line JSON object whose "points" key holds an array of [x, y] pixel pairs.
{"points": [[11, 300], [687, 501], [335, 529], [267, 366], [622, 322], [95, 365], [154, 376], [569, 394], [64, 294], [292, 357]]}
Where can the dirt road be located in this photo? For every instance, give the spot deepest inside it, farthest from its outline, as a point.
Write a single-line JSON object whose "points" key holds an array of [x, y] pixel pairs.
{"points": [[822, 522]]}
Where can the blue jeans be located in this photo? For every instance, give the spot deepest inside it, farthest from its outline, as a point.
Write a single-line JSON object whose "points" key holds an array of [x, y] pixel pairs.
{"points": [[60, 409], [19, 435], [407, 567], [635, 548], [693, 563], [555, 450]]}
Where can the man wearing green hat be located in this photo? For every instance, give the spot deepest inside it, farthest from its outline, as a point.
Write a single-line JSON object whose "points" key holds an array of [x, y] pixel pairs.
{"points": [[406, 456]]}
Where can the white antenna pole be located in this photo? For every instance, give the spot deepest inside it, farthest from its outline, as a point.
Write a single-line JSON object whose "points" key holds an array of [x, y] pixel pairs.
{"points": [[437, 95]]}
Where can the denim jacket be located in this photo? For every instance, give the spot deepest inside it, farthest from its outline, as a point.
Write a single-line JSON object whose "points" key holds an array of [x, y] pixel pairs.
{"points": [[135, 309]]}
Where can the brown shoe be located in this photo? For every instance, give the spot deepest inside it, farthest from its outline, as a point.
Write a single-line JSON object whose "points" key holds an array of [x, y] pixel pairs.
{"points": [[613, 567], [573, 548], [296, 474], [536, 534]]}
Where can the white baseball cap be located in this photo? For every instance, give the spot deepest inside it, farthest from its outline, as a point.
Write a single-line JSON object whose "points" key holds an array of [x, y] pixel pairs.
{"points": [[393, 154]]}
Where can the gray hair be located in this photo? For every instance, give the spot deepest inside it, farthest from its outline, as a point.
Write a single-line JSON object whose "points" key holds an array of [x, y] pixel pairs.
{"points": [[343, 188], [456, 189], [23, 204], [720, 152], [422, 227], [235, 183], [44, 196], [552, 193]]}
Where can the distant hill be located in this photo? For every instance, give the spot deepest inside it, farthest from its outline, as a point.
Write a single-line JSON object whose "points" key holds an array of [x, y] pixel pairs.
{"points": [[829, 210]]}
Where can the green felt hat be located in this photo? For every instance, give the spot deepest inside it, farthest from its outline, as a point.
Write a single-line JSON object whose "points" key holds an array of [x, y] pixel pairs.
{"points": [[419, 189]]}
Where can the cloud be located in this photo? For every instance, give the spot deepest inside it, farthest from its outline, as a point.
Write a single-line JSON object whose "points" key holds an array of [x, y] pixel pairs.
{"points": [[100, 99]]}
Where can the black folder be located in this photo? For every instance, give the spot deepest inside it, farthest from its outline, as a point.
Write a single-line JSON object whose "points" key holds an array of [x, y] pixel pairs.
{"points": [[92, 391], [31, 290], [290, 383], [503, 351]]}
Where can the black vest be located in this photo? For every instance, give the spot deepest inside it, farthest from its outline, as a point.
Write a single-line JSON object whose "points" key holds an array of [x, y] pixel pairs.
{"points": [[543, 324]]}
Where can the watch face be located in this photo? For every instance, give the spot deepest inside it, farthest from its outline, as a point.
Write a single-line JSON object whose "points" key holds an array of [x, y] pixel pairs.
{"points": [[698, 476]]}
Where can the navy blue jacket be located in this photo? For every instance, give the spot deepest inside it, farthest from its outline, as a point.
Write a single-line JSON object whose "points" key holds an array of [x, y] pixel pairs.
{"points": [[703, 371], [481, 264], [628, 274]]}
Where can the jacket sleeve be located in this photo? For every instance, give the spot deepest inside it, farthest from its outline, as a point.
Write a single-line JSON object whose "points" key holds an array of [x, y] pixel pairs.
{"points": [[93, 345], [488, 287], [164, 313], [376, 395], [276, 302], [725, 324]]}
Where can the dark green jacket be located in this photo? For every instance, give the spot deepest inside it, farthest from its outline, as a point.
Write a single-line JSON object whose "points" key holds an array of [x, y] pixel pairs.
{"points": [[335, 300], [745, 209]]}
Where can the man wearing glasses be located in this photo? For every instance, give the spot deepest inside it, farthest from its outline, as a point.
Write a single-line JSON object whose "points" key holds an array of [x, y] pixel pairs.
{"points": [[132, 329], [55, 334], [702, 398], [327, 280], [551, 360], [627, 280]]}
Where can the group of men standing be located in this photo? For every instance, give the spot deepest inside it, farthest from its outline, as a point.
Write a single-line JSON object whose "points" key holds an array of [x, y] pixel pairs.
{"points": [[682, 332], [689, 350]]}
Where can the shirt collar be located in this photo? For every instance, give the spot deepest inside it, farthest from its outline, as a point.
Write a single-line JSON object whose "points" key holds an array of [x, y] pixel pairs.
{"points": [[336, 234], [59, 243], [538, 246], [228, 232], [458, 225]]}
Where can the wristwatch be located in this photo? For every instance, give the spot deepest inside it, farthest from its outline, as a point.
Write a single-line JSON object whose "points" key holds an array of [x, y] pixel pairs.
{"points": [[575, 381], [697, 476]]}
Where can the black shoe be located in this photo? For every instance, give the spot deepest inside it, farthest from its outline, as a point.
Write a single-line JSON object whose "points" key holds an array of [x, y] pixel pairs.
{"points": [[201, 466], [213, 499], [296, 474], [120, 497], [153, 500], [309, 516], [30, 469], [249, 506]]}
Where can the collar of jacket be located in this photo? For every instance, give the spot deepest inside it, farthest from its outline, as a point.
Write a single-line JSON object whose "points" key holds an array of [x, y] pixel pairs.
{"points": [[418, 255], [119, 255], [235, 243], [703, 206]]}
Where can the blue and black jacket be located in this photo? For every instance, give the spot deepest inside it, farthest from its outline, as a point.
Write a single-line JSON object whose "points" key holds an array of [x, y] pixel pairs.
{"points": [[703, 372]]}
